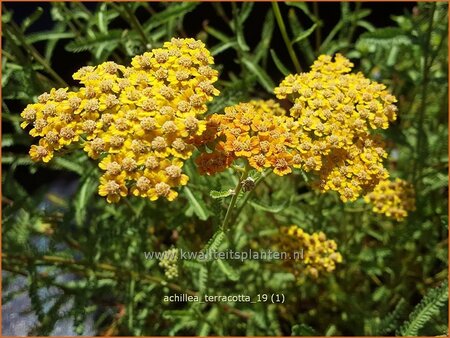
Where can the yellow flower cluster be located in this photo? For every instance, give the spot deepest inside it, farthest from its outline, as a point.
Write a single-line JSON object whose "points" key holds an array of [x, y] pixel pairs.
{"points": [[258, 131], [336, 112], [319, 253], [138, 121], [392, 198]]}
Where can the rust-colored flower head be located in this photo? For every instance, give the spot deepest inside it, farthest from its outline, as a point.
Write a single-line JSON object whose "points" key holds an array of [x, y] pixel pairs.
{"points": [[258, 131]]}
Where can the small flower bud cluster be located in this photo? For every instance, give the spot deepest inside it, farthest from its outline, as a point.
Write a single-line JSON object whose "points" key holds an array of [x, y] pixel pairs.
{"points": [[319, 253], [170, 263], [392, 198], [337, 112], [138, 121]]}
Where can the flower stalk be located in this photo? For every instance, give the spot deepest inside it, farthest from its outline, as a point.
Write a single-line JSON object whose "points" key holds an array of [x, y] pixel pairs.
{"points": [[281, 25], [237, 190]]}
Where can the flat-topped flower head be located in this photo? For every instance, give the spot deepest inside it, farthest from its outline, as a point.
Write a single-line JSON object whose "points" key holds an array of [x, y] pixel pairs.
{"points": [[258, 131], [131, 118], [318, 255], [337, 112], [392, 198]]}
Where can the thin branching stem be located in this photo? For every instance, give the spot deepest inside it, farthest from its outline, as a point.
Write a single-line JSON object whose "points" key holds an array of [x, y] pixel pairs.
{"points": [[136, 24], [17, 33], [236, 192], [282, 27], [247, 196], [318, 31], [420, 142], [82, 266]]}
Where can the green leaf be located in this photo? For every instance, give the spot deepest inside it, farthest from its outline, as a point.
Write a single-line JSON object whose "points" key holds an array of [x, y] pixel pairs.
{"points": [[223, 46], [266, 36], [60, 27], [260, 74], [294, 23], [112, 38], [48, 35], [9, 140], [239, 29], [303, 330], [269, 208], [425, 310], [102, 22], [176, 10], [305, 34], [215, 241], [361, 14], [228, 270], [87, 190], [280, 66], [221, 194], [245, 11], [390, 322], [384, 38], [217, 34], [297, 29], [16, 160], [303, 6], [197, 204], [203, 278], [367, 25], [67, 164], [28, 21], [6, 17], [177, 314]]}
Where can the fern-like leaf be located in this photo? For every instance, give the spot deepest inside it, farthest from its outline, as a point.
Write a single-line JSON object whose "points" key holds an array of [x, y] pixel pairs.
{"points": [[384, 38], [113, 37], [390, 322], [425, 310]]}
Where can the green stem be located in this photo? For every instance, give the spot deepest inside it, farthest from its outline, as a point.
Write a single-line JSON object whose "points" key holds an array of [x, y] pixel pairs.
{"points": [[353, 24], [421, 152], [131, 303], [318, 32], [330, 36], [130, 206], [221, 12], [283, 31], [136, 25], [37, 56], [247, 196], [82, 267], [237, 190]]}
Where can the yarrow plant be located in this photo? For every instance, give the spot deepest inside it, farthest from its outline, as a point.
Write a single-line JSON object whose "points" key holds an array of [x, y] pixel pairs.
{"points": [[142, 122], [308, 157]]}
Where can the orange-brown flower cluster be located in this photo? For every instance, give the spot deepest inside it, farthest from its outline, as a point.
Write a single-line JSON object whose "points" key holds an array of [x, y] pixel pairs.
{"points": [[258, 131], [392, 198], [138, 121], [336, 112], [318, 254]]}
